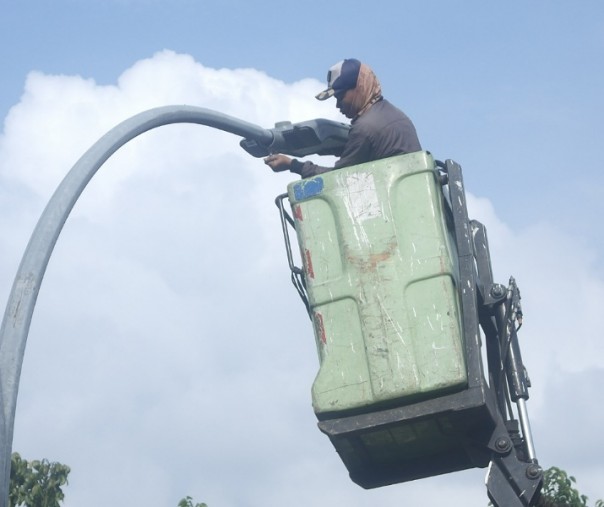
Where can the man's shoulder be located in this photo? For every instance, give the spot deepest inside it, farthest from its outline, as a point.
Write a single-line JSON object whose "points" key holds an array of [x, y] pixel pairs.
{"points": [[380, 113], [386, 107]]}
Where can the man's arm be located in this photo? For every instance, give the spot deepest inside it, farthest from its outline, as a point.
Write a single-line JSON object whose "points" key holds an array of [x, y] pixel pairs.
{"points": [[279, 163]]}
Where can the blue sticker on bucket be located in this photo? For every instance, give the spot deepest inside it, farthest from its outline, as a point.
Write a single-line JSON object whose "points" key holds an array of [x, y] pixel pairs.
{"points": [[308, 188]]}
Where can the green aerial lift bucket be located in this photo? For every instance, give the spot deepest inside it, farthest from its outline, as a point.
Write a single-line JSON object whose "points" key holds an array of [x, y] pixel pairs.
{"points": [[381, 283]]}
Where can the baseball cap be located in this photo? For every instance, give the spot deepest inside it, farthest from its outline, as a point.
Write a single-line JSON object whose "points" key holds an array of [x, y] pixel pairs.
{"points": [[342, 76]]}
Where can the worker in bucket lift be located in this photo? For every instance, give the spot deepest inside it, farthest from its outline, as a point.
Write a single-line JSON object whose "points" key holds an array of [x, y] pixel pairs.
{"points": [[378, 129]]}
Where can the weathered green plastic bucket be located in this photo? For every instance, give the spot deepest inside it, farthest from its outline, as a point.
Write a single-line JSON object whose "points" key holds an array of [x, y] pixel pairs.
{"points": [[381, 278]]}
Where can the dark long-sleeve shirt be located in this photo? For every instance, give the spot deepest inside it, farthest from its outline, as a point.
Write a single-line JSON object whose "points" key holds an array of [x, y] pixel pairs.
{"points": [[382, 131]]}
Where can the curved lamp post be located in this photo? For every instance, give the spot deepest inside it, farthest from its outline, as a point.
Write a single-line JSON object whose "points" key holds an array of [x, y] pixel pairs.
{"points": [[316, 136]]}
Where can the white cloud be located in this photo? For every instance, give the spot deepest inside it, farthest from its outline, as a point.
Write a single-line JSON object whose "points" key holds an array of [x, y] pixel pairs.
{"points": [[169, 354]]}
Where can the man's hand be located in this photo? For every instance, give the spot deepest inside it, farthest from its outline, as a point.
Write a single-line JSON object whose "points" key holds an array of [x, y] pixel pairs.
{"points": [[278, 162]]}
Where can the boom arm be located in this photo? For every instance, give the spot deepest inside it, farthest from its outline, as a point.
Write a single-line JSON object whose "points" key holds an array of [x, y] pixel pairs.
{"points": [[514, 476]]}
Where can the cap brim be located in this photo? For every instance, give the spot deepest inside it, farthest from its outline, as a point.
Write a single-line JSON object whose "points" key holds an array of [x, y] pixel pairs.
{"points": [[325, 94]]}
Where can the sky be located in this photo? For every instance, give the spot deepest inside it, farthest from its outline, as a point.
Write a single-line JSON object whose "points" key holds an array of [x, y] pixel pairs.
{"points": [[169, 354]]}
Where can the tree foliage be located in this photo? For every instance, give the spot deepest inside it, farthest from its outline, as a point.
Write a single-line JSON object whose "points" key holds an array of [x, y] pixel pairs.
{"points": [[39, 483], [188, 502], [36, 483], [559, 490], [558, 487]]}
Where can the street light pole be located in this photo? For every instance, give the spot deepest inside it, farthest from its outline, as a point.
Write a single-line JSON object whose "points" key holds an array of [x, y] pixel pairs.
{"points": [[22, 299]]}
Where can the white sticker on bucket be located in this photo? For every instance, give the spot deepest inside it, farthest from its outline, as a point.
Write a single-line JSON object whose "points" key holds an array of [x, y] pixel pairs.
{"points": [[360, 196]]}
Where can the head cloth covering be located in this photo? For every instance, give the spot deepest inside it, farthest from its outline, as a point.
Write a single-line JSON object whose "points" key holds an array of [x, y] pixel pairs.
{"points": [[366, 93]]}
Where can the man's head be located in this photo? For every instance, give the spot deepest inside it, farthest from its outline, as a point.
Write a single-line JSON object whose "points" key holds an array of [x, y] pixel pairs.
{"points": [[354, 86], [341, 77]]}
